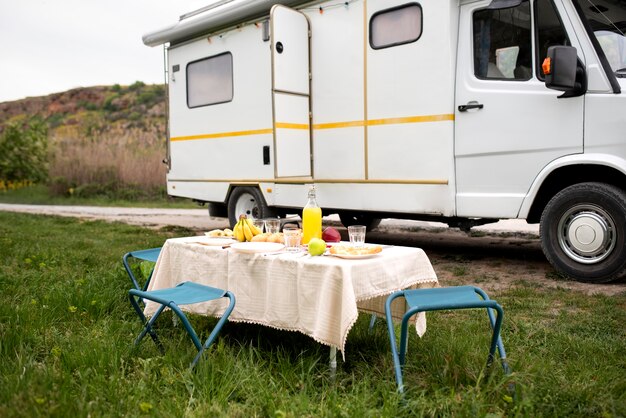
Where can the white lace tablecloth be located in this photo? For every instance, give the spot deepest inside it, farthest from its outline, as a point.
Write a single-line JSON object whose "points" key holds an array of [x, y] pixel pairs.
{"points": [[318, 296]]}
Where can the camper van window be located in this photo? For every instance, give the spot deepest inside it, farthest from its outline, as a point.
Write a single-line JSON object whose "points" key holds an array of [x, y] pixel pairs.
{"points": [[396, 26], [550, 31], [210, 80], [502, 43]]}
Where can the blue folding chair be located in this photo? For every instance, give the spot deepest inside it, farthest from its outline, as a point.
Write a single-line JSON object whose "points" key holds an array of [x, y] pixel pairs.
{"points": [[146, 255], [442, 298], [186, 293]]}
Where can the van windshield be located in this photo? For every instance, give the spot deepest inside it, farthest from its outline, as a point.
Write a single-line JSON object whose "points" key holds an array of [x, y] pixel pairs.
{"points": [[607, 19]]}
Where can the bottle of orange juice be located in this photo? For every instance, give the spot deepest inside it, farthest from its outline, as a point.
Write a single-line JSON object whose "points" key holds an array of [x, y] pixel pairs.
{"points": [[311, 219]]}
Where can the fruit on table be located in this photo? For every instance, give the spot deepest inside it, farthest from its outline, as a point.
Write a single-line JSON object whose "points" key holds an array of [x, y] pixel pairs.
{"points": [[245, 230], [277, 237], [219, 233], [330, 234], [317, 246], [261, 237]]}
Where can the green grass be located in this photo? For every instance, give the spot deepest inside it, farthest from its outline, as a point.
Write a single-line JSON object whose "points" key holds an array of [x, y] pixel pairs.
{"points": [[39, 195], [67, 329]]}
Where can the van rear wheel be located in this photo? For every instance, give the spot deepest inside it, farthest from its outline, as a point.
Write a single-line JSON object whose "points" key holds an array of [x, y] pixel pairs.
{"points": [[583, 232], [247, 201]]}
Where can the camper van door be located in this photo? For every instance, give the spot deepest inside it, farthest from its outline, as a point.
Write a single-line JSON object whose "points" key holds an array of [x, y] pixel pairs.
{"points": [[508, 124], [290, 92]]}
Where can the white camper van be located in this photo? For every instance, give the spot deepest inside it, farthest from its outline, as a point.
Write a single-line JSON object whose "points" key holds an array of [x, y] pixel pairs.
{"points": [[459, 111]]}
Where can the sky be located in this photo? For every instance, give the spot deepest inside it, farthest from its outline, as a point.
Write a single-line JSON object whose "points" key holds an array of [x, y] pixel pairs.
{"points": [[51, 46]]}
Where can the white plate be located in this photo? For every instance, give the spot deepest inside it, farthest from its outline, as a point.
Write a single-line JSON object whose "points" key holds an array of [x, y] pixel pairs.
{"points": [[257, 247], [217, 241], [354, 256], [211, 237]]}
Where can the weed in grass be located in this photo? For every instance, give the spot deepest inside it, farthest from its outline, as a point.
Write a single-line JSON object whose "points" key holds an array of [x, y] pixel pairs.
{"points": [[67, 331], [557, 276], [477, 234]]}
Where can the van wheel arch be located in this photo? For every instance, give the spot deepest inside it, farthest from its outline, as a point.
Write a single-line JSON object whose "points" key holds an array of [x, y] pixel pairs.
{"points": [[570, 175]]}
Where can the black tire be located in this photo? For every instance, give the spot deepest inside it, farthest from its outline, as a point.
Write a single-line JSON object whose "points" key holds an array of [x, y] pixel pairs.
{"points": [[583, 232], [247, 201], [355, 218]]}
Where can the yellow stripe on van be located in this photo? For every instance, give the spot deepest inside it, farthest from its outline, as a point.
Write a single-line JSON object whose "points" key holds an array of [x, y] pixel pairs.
{"points": [[410, 119], [286, 125], [223, 134], [386, 121], [330, 125], [335, 125]]}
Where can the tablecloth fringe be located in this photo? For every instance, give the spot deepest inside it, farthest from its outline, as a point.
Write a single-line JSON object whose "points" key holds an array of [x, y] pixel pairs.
{"points": [[386, 292]]}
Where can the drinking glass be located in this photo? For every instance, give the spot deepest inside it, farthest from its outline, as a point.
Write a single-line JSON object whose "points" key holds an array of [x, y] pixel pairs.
{"points": [[259, 223], [293, 237], [357, 235], [272, 226]]}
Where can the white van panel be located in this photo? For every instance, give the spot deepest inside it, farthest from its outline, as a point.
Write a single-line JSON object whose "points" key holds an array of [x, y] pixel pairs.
{"points": [[293, 146], [217, 142], [335, 151], [338, 92], [411, 151]]}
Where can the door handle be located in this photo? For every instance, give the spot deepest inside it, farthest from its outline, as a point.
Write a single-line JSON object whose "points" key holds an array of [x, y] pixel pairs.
{"points": [[470, 105]]}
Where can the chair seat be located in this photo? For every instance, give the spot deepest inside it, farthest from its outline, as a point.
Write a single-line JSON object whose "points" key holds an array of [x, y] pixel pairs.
{"points": [[186, 293], [445, 298], [148, 255]]}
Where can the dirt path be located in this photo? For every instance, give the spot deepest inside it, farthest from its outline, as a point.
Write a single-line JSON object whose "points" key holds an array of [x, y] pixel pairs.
{"points": [[495, 256]]}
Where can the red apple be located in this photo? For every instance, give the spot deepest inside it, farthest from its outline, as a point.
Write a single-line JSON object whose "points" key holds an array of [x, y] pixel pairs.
{"points": [[330, 234]]}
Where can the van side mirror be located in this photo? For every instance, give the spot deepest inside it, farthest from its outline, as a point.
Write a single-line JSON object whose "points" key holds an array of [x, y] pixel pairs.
{"points": [[564, 72]]}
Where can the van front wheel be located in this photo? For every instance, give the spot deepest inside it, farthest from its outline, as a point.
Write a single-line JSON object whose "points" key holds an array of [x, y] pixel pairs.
{"points": [[247, 201], [583, 232]]}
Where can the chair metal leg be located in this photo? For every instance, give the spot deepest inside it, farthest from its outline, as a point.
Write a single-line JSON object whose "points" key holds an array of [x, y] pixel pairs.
{"points": [[147, 324], [147, 283], [130, 271], [392, 340], [216, 329], [372, 322], [404, 336], [187, 324], [493, 322]]}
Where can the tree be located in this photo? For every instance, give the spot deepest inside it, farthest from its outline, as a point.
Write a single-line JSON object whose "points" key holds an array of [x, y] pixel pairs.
{"points": [[24, 151]]}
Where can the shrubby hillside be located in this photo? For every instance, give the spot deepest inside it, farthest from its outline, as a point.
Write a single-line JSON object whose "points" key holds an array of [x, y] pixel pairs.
{"points": [[103, 140]]}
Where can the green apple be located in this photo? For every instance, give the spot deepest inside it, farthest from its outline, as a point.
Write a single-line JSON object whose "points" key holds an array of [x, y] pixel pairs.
{"points": [[317, 246]]}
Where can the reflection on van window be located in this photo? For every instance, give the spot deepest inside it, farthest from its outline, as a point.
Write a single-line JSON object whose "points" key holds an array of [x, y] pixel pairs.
{"points": [[550, 31], [502, 43], [210, 80], [607, 19], [396, 26]]}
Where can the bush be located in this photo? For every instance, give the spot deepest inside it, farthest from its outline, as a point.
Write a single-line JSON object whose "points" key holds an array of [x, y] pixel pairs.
{"points": [[24, 152], [108, 103], [136, 85], [60, 186]]}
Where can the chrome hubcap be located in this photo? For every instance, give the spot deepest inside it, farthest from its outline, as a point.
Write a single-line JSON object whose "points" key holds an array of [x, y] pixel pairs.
{"points": [[587, 234]]}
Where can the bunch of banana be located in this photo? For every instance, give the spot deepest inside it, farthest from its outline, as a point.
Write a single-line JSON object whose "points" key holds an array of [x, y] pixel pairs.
{"points": [[244, 229]]}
